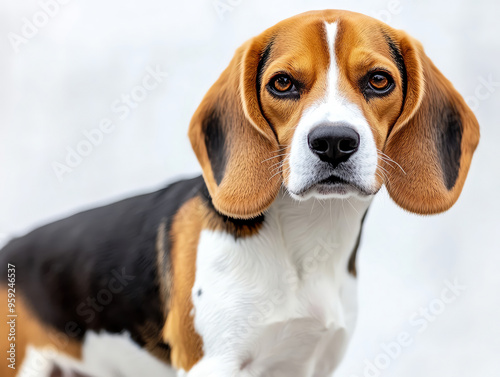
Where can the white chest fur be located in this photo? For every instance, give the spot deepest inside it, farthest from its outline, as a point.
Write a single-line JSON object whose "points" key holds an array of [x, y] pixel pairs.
{"points": [[280, 303]]}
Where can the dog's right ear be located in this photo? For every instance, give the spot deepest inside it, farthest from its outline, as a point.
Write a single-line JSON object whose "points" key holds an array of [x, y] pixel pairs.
{"points": [[233, 141]]}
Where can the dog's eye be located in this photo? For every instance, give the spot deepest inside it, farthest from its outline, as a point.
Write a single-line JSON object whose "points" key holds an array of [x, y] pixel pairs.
{"points": [[283, 86], [379, 82], [282, 83], [376, 84]]}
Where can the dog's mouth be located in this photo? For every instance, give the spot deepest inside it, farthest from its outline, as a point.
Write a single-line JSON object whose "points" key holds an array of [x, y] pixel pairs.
{"points": [[333, 180], [333, 185]]}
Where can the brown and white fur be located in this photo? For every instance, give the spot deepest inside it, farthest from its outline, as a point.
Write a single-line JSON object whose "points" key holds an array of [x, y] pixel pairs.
{"points": [[244, 272]]}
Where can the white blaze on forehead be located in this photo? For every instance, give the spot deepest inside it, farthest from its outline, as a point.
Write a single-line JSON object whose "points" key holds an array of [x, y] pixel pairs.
{"points": [[334, 108], [333, 69]]}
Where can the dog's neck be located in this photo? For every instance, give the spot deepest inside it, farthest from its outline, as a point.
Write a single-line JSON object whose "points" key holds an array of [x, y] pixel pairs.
{"points": [[318, 229], [306, 229]]}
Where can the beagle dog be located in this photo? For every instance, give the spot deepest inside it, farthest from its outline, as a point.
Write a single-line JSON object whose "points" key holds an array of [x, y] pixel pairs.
{"points": [[250, 270]]}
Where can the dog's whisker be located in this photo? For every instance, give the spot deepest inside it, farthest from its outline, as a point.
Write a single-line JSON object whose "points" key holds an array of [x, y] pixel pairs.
{"points": [[345, 216], [391, 160], [354, 208], [277, 163], [276, 168], [312, 207], [384, 169], [274, 175], [321, 204], [386, 160], [270, 158], [279, 150]]}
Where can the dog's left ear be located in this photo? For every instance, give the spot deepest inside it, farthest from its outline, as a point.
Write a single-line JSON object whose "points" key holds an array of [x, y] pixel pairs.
{"points": [[232, 140], [433, 139]]}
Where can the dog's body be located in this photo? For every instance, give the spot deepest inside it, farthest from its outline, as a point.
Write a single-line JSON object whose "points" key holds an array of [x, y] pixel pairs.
{"points": [[241, 272], [108, 273]]}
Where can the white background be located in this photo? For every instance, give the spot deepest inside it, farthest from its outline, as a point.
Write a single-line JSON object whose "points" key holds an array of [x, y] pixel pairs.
{"points": [[65, 78]]}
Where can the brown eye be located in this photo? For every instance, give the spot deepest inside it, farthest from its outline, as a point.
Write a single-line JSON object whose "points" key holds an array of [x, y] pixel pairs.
{"points": [[282, 86], [379, 81], [282, 83], [376, 84]]}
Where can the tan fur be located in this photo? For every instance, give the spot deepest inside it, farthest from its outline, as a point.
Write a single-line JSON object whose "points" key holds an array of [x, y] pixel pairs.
{"points": [[30, 331], [179, 332], [164, 265], [421, 189]]}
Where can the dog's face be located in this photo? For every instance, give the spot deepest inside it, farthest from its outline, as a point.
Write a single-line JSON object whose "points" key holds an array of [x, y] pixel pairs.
{"points": [[333, 104]]}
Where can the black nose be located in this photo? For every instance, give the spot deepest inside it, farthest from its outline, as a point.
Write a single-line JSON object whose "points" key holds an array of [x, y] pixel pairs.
{"points": [[333, 143]]}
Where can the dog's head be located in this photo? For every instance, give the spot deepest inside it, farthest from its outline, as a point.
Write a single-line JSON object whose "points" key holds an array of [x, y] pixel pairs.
{"points": [[333, 104]]}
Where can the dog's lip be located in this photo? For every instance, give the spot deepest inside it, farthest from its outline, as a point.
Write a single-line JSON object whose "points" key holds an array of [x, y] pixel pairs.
{"points": [[332, 181]]}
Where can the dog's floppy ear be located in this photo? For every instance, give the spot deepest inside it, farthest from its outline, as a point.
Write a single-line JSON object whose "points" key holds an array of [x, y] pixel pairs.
{"points": [[234, 143], [433, 139]]}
